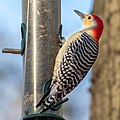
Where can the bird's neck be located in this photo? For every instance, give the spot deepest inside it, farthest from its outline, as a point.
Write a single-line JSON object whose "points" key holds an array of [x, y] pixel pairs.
{"points": [[94, 33]]}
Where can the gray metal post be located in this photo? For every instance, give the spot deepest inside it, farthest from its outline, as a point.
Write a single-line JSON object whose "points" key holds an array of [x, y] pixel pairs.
{"points": [[42, 19]]}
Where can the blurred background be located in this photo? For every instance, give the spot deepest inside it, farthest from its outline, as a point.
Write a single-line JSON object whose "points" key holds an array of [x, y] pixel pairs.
{"points": [[11, 65]]}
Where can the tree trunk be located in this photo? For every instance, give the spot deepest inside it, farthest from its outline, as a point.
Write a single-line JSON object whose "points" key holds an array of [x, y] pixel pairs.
{"points": [[105, 88]]}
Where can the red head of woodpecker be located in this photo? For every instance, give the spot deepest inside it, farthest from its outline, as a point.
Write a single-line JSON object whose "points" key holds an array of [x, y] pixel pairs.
{"points": [[92, 24]]}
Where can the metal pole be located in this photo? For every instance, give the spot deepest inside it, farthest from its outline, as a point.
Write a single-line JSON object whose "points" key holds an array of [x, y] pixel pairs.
{"points": [[42, 19]]}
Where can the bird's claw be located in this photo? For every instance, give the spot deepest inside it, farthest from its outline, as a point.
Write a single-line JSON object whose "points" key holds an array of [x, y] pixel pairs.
{"points": [[61, 39]]}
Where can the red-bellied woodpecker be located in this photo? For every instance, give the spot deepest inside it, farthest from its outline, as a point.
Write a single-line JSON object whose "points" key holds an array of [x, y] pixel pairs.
{"points": [[74, 60]]}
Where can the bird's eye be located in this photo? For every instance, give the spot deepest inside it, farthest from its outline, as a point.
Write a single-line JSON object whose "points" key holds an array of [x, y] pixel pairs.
{"points": [[89, 17]]}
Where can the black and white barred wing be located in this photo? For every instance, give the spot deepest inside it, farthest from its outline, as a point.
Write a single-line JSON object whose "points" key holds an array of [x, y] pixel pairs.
{"points": [[76, 62]]}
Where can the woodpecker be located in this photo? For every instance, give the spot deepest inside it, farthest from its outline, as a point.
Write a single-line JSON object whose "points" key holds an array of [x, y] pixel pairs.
{"points": [[74, 59]]}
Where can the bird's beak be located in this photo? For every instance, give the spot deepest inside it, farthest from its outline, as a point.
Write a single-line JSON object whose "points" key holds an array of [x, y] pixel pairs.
{"points": [[79, 13]]}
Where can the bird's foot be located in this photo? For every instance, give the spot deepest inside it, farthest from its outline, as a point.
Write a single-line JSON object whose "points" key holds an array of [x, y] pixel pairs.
{"points": [[61, 39]]}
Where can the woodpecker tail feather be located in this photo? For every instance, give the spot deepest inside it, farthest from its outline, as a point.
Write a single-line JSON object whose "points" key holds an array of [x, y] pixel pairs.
{"points": [[46, 102], [43, 98], [45, 107]]}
